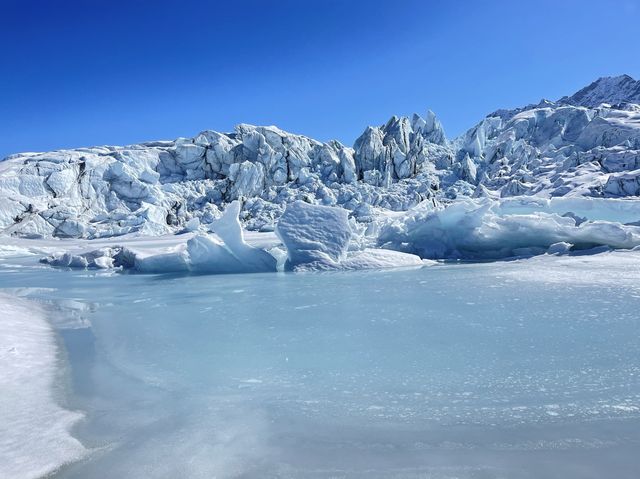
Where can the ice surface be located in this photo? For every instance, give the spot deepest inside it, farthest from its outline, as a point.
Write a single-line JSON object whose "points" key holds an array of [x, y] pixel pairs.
{"points": [[522, 369], [34, 429]]}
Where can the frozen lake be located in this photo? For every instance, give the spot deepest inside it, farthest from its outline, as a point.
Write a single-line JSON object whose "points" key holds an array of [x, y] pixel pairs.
{"points": [[524, 369]]}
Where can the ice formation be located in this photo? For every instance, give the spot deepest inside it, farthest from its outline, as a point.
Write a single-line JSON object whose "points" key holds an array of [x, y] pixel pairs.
{"points": [[35, 438], [314, 234], [313, 237], [229, 229], [320, 238], [582, 146], [166, 187], [494, 229], [201, 254]]}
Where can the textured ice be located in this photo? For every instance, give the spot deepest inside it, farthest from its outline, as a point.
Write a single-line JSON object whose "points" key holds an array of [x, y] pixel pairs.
{"points": [[35, 438], [229, 253], [319, 238], [521, 369], [490, 229], [229, 229], [314, 234]]}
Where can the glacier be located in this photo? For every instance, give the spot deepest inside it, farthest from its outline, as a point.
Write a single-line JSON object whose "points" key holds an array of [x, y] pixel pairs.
{"points": [[467, 368], [581, 153]]}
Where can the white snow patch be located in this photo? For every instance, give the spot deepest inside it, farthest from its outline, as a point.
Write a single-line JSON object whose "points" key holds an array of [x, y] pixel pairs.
{"points": [[34, 439], [380, 259]]}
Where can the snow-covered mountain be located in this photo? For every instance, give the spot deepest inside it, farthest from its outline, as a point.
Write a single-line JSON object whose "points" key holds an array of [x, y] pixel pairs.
{"points": [[587, 144], [556, 149], [610, 90]]}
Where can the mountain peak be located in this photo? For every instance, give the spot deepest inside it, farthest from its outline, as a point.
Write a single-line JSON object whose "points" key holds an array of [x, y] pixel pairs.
{"points": [[611, 90]]}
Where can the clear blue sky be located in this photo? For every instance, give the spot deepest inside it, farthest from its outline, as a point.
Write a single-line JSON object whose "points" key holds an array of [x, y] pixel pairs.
{"points": [[80, 73]]}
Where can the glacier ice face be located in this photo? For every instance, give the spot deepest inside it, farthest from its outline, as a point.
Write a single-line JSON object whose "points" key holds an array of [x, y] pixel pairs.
{"points": [[401, 149], [158, 188], [586, 145], [555, 150]]}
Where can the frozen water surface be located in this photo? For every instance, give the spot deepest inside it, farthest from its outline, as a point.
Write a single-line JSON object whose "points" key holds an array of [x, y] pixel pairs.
{"points": [[523, 369]]}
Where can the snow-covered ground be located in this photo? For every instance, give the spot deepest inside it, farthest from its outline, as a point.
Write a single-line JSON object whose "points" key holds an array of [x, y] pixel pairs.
{"points": [[35, 432]]}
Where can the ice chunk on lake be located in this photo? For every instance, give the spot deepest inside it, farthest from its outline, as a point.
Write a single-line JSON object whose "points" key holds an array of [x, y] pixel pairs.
{"points": [[370, 258], [314, 234], [229, 229], [102, 258], [318, 238], [201, 254], [488, 229], [176, 261], [207, 255]]}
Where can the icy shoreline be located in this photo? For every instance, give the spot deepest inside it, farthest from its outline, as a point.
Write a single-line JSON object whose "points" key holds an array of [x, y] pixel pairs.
{"points": [[35, 440]]}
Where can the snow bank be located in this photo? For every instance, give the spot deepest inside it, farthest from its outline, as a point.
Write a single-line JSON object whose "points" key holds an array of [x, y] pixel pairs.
{"points": [[488, 229], [35, 437], [370, 258]]}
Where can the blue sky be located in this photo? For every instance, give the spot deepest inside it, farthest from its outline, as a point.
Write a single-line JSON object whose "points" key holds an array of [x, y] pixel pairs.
{"points": [[80, 73]]}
